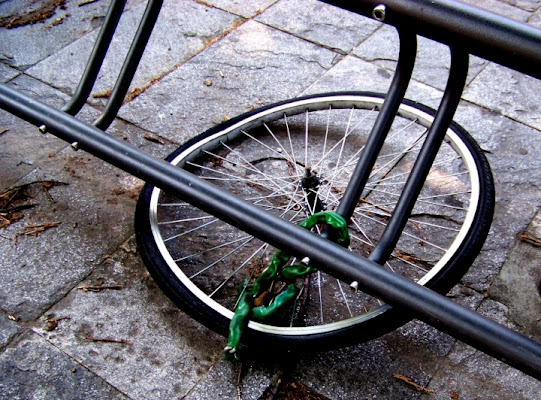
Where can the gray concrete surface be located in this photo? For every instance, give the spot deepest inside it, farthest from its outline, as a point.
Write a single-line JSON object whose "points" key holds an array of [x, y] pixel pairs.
{"points": [[253, 53]]}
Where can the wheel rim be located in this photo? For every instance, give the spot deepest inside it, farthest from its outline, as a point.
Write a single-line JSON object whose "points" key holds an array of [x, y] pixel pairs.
{"points": [[447, 198]]}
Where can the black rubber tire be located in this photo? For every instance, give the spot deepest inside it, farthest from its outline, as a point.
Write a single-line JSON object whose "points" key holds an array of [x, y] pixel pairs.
{"points": [[388, 320]]}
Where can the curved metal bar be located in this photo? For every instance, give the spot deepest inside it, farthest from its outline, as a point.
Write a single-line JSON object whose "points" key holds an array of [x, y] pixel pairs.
{"points": [[429, 150], [130, 64], [395, 95], [96, 58]]}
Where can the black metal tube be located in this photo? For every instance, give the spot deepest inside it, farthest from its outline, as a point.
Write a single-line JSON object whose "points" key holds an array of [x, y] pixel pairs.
{"points": [[96, 58], [425, 159], [395, 95], [465, 27], [438, 311], [131, 62]]}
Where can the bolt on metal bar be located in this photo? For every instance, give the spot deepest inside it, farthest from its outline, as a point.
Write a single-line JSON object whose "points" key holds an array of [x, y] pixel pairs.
{"points": [[130, 64], [474, 31], [420, 302], [393, 99], [96, 58], [426, 157]]}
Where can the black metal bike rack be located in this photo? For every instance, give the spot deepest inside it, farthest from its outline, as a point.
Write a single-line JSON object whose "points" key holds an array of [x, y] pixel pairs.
{"points": [[465, 29]]}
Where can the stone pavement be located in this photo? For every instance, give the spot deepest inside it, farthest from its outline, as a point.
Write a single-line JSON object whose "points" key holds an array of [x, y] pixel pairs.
{"points": [[208, 60]]}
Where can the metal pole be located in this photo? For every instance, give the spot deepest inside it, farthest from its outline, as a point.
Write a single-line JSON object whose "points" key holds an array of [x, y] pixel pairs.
{"points": [[95, 60], [421, 168], [130, 64], [395, 95], [424, 304]]}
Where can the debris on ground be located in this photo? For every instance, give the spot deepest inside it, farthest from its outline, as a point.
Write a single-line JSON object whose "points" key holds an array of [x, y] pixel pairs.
{"points": [[99, 288], [52, 322], [107, 340], [37, 11], [15, 200], [415, 385], [298, 390]]}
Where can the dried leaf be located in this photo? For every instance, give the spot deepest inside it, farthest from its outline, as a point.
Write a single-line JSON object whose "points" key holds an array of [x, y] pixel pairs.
{"points": [[410, 382]]}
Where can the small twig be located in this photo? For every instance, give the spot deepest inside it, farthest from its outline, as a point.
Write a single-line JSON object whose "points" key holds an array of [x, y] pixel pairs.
{"points": [[421, 239], [239, 379], [99, 288], [34, 229], [153, 139], [410, 382], [2, 131], [526, 237], [107, 340], [46, 190]]}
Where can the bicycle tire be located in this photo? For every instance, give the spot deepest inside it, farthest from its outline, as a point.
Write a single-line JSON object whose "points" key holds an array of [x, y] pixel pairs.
{"points": [[172, 257]]}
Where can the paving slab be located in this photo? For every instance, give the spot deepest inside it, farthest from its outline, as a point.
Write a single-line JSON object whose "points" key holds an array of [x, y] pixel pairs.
{"points": [[160, 352], [7, 73], [26, 45], [91, 206], [528, 5], [226, 380], [377, 369], [512, 150], [433, 59], [252, 66], [8, 329], [508, 92], [351, 73], [519, 281], [83, 216], [183, 29], [535, 19], [36, 370], [320, 23]]}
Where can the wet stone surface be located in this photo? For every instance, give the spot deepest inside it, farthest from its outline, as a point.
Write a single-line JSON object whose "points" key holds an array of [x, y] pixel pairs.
{"points": [[35, 369], [252, 66], [32, 42], [196, 24], [80, 316], [8, 329], [157, 352], [507, 92], [320, 23], [518, 283], [432, 63]]}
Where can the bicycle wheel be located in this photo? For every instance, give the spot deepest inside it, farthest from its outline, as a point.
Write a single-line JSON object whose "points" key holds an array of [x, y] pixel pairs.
{"points": [[293, 159]]}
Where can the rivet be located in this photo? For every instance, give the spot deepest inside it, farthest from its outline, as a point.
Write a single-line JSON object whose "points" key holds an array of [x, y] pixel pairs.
{"points": [[379, 12]]}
